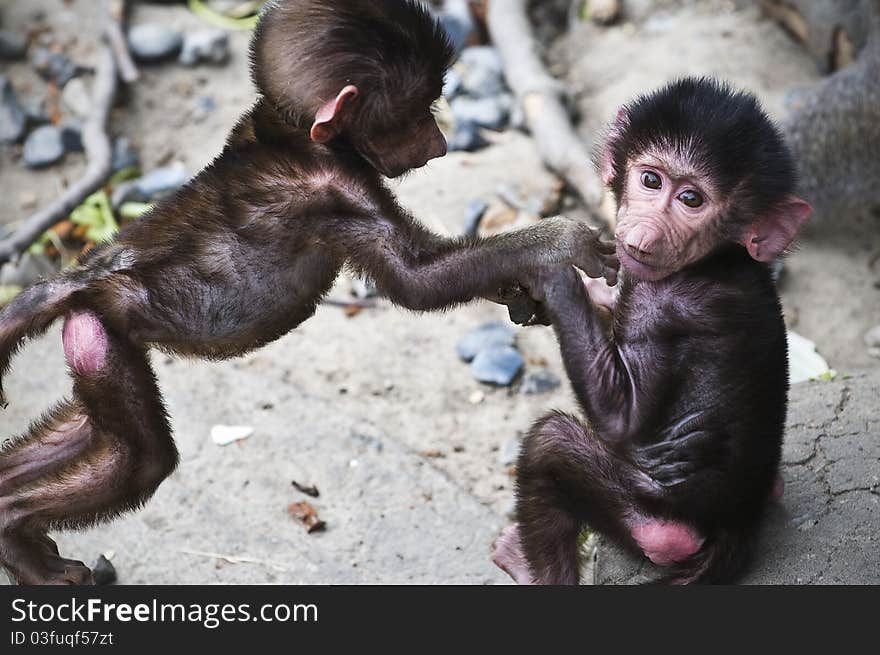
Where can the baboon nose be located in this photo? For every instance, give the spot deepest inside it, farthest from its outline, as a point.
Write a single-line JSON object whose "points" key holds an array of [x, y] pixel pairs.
{"points": [[639, 242]]}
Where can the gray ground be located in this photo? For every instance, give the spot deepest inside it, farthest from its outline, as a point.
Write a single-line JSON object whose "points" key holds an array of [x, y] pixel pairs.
{"points": [[363, 406]]}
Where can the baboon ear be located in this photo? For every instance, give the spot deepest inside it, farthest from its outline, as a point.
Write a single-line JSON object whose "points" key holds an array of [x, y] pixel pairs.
{"points": [[328, 119], [606, 162], [770, 234]]}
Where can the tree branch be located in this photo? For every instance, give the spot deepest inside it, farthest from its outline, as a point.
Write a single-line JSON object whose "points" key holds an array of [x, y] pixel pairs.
{"points": [[543, 99]]}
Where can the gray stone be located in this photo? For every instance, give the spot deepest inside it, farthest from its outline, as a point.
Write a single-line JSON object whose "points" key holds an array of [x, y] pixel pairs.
{"points": [[207, 46], [363, 287], [161, 181], [71, 137], [151, 42], [28, 269], [13, 120], [458, 22], [12, 46], [487, 335], [540, 381], [466, 138], [473, 214], [509, 452], [451, 84], [491, 112], [497, 365], [124, 155], [54, 67], [43, 147], [826, 530], [35, 110], [483, 71]]}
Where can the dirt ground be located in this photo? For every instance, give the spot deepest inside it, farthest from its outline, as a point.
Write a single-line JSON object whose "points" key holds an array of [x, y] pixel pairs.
{"points": [[376, 409]]}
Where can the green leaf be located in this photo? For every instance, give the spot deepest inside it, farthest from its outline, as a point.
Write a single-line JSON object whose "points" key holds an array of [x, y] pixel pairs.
{"points": [[97, 216], [133, 210], [204, 12]]}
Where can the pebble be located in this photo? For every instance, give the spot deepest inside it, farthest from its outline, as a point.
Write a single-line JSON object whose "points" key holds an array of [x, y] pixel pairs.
{"points": [[161, 180], [466, 138], [494, 333], [497, 365], [13, 119], [476, 397], [483, 71], [491, 112], [26, 271], [124, 155], [872, 337], [54, 67], [451, 84], [76, 98], [43, 147], [207, 46], [540, 381], [474, 213], [509, 453], [151, 42], [363, 288], [458, 21], [71, 137], [12, 46], [103, 571], [223, 435]]}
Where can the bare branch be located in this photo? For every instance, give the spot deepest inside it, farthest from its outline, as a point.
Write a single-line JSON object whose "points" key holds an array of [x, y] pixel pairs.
{"points": [[543, 99], [99, 154], [114, 31]]}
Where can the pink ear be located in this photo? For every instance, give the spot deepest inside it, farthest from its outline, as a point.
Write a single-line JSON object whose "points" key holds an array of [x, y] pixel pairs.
{"points": [[326, 125], [772, 233], [606, 163]]}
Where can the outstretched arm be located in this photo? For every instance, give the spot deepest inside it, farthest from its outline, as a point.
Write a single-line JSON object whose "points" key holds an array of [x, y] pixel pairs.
{"points": [[420, 270]]}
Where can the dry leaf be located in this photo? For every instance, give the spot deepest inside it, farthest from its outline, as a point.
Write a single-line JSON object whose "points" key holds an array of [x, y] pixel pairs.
{"points": [[308, 515]]}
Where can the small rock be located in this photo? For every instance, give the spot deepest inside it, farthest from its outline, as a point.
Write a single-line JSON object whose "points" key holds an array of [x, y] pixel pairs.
{"points": [[458, 22], [71, 137], [474, 213], [208, 46], [509, 453], [151, 42], [467, 138], [476, 397], [54, 67], [12, 46], [494, 333], [491, 113], [363, 287], [204, 106], [483, 71], [872, 337], [26, 271], [43, 147], [13, 120], [35, 109], [540, 381], [160, 181], [76, 98], [124, 155], [103, 571], [497, 365], [451, 84]]}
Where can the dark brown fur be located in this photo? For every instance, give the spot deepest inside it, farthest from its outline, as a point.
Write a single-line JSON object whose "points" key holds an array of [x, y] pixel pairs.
{"points": [[244, 253]]}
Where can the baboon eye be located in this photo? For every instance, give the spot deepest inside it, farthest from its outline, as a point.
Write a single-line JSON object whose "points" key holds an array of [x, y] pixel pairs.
{"points": [[691, 198], [651, 180]]}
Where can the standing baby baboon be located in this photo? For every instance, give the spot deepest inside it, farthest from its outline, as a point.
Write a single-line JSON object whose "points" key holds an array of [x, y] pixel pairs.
{"points": [[244, 253]]}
